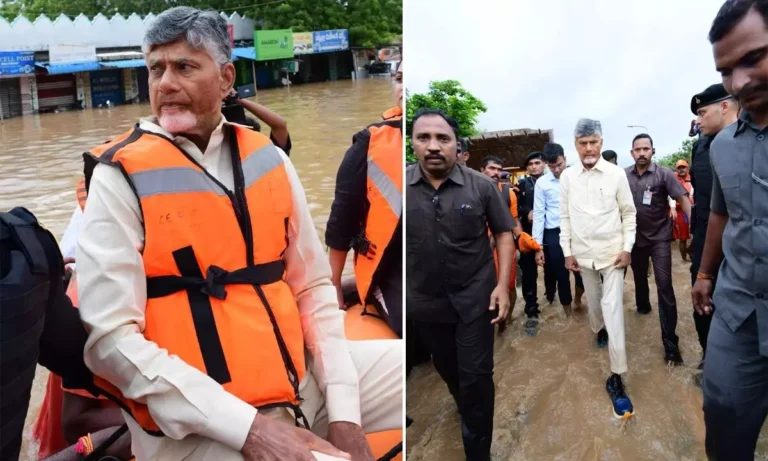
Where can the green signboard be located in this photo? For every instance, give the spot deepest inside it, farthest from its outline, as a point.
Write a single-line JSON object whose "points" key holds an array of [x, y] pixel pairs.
{"points": [[273, 44]]}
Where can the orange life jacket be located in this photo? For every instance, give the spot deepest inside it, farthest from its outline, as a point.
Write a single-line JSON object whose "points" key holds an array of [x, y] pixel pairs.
{"points": [[685, 181], [82, 194], [384, 193], [214, 265]]}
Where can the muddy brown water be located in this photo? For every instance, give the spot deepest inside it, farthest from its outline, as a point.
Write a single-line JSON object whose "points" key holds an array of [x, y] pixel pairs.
{"points": [[551, 402], [41, 157]]}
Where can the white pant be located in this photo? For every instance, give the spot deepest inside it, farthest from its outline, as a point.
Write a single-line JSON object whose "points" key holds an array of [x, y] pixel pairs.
{"points": [[379, 365], [606, 308]]}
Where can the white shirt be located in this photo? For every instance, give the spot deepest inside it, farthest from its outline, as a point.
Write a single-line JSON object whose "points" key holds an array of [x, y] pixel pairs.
{"points": [[546, 206], [113, 294], [597, 214], [68, 243]]}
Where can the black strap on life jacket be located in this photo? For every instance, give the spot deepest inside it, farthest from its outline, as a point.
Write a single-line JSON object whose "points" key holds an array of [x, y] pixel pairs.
{"points": [[200, 290]]}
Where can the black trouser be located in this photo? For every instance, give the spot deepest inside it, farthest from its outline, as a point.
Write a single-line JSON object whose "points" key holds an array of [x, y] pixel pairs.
{"points": [[530, 274], [555, 261], [463, 356], [415, 351], [702, 322], [550, 282], [735, 390], [661, 255]]}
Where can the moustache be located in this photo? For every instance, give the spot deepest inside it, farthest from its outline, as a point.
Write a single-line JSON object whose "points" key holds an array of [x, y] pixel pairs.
{"points": [[750, 90], [434, 156]]}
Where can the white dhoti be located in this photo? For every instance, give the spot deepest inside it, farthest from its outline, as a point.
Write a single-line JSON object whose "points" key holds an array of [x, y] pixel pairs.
{"points": [[606, 309], [379, 365]]}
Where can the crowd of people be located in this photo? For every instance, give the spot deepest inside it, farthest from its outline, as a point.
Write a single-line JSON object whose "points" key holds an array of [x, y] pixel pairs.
{"points": [[593, 221], [202, 318]]}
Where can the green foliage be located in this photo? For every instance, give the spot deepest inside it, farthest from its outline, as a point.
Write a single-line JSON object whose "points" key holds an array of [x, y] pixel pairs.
{"points": [[370, 22], [453, 99], [683, 153]]}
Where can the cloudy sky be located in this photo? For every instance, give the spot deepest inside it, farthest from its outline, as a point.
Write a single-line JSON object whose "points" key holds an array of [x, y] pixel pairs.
{"points": [[546, 63]]}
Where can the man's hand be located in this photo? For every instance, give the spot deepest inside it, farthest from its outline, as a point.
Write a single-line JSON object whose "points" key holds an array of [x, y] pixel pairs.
{"points": [[571, 264], [500, 297], [340, 297], [530, 216], [67, 269], [350, 438], [623, 260], [701, 295], [673, 213], [540, 258], [270, 440]]}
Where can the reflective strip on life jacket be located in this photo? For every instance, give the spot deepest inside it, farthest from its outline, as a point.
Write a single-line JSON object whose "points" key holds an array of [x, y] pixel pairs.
{"points": [[190, 179], [213, 261], [385, 196]]}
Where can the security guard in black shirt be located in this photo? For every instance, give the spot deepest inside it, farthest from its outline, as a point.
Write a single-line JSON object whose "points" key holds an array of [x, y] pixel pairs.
{"points": [[714, 109], [535, 166]]}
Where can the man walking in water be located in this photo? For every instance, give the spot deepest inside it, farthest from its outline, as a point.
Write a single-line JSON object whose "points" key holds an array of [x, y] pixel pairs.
{"points": [[452, 288], [652, 185], [525, 195], [680, 222], [715, 109], [493, 168], [597, 233], [735, 385], [546, 227]]}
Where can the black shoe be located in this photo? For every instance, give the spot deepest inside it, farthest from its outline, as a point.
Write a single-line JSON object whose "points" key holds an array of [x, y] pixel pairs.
{"points": [[673, 357], [602, 338], [645, 311], [531, 326], [622, 406]]}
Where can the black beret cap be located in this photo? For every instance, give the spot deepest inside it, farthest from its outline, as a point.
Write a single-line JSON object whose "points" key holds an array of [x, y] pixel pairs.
{"points": [[533, 156], [711, 95]]}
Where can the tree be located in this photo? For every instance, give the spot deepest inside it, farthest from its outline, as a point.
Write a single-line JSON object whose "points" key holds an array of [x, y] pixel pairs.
{"points": [[451, 98], [371, 23], [683, 153]]}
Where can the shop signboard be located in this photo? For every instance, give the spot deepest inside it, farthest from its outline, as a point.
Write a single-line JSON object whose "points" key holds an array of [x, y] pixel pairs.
{"points": [[303, 43], [17, 62], [326, 41], [106, 85], [273, 44], [66, 54]]}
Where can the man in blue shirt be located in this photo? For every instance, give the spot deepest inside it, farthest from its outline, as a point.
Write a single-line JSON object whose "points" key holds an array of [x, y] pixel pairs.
{"points": [[546, 227]]}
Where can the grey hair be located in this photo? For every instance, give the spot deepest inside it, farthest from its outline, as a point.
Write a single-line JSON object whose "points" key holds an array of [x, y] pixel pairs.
{"points": [[588, 127], [202, 30]]}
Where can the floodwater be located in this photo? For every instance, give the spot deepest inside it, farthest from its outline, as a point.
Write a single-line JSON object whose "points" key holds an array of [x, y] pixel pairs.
{"points": [[41, 156], [551, 402]]}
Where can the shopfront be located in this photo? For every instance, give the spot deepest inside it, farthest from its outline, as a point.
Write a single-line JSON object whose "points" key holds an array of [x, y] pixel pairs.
{"points": [[14, 65]]}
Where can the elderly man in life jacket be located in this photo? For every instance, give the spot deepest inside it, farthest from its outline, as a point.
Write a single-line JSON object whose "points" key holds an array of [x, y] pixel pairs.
{"points": [[204, 285]]}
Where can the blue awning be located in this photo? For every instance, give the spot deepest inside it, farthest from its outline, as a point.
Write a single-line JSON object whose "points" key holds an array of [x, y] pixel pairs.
{"points": [[69, 68], [245, 53], [124, 64]]}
